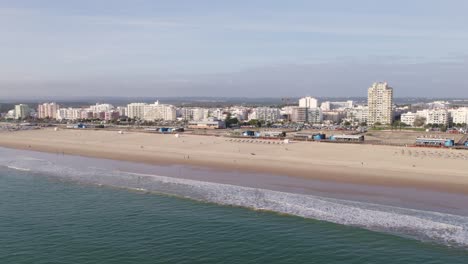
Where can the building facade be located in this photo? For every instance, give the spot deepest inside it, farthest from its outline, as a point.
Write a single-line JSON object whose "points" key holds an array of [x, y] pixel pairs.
{"points": [[408, 118], [47, 110], [459, 115], [306, 115], [136, 110], [333, 116], [22, 111], [330, 106], [69, 113], [157, 111], [265, 114], [380, 103], [438, 116], [431, 116], [358, 114], [308, 102]]}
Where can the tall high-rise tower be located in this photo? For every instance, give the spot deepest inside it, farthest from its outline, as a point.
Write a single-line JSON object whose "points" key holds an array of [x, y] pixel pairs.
{"points": [[308, 102], [380, 102], [47, 110]]}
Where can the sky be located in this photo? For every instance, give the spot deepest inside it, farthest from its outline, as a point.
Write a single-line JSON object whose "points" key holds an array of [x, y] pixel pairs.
{"points": [[248, 48]]}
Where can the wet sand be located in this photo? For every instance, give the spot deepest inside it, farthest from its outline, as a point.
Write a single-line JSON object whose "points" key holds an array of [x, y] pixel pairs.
{"points": [[424, 169], [403, 197]]}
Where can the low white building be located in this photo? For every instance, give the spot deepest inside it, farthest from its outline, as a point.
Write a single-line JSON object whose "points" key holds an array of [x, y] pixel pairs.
{"points": [[333, 116], [239, 112], [358, 114], [438, 105], [265, 114], [98, 108], [438, 116], [69, 113], [329, 106], [10, 114], [408, 118], [193, 114], [459, 115], [217, 113], [211, 123], [432, 116]]}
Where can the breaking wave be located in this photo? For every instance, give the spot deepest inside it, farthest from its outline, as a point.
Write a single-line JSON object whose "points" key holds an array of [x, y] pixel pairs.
{"points": [[424, 225]]}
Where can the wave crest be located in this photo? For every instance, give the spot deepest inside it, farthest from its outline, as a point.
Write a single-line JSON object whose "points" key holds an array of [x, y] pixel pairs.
{"points": [[424, 225]]}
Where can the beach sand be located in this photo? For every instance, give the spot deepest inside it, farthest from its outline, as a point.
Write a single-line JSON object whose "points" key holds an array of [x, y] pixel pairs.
{"points": [[424, 168]]}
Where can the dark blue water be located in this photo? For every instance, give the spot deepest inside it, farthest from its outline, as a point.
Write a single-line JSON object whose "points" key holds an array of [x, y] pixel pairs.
{"points": [[44, 220]]}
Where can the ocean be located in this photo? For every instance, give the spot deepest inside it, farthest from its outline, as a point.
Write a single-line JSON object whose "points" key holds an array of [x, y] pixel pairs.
{"points": [[55, 209]]}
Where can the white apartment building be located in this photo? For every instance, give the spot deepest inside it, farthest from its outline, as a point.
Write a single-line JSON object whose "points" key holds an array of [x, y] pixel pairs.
{"points": [[239, 112], [308, 102], [432, 116], [69, 113], [22, 111], [459, 115], [315, 115], [438, 105], [136, 110], [380, 102], [333, 116], [438, 116], [307, 115], [122, 110], [156, 111], [184, 113], [217, 113], [408, 118], [193, 114], [47, 110], [98, 108], [199, 114], [358, 114], [265, 114], [287, 110], [329, 106], [10, 114]]}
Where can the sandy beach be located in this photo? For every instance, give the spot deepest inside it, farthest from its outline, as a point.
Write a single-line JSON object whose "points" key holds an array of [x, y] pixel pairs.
{"points": [[424, 168]]}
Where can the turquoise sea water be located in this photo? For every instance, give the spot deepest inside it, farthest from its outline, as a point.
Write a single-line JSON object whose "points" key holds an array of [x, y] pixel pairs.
{"points": [[46, 220]]}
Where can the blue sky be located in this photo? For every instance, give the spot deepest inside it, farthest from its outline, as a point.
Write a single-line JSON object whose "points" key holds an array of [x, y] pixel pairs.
{"points": [[232, 48]]}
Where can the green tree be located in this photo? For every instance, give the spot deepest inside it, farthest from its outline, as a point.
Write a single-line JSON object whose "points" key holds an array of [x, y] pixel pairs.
{"points": [[443, 128], [419, 121], [231, 121], [254, 122]]}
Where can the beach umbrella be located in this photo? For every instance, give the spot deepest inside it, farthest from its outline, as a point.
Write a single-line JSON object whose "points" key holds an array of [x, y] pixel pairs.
{"points": [[177, 135], [286, 141]]}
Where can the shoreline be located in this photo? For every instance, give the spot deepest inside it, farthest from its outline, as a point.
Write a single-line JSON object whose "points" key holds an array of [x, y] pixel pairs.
{"points": [[379, 165]]}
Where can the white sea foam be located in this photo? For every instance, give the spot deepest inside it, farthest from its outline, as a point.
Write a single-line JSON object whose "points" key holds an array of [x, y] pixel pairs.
{"points": [[425, 225], [17, 168]]}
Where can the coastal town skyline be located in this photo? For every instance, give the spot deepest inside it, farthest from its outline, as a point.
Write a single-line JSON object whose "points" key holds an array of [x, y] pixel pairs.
{"points": [[379, 109], [259, 131]]}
